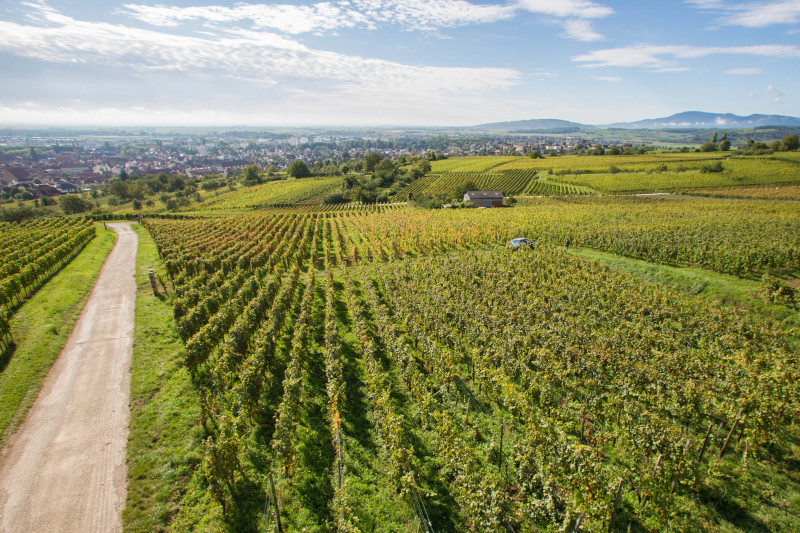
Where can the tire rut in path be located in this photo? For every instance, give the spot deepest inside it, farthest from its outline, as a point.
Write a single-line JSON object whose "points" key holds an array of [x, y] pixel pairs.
{"points": [[64, 470]]}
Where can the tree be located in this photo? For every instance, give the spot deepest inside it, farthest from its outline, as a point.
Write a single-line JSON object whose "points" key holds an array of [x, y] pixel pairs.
{"points": [[176, 183], [370, 160], [424, 166], [118, 188], [137, 204], [724, 145], [72, 204], [459, 191], [534, 154], [298, 169], [790, 143], [714, 138], [252, 175], [17, 214], [708, 147], [385, 164]]}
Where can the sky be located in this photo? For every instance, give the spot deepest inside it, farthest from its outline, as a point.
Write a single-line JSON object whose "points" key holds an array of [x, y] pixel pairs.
{"points": [[392, 62]]}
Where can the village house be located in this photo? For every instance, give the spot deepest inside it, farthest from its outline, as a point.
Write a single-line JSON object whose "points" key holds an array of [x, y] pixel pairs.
{"points": [[15, 175], [484, 198]]}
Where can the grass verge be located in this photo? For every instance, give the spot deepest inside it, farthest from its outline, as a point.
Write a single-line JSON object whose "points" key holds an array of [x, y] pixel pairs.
{"points": [[40, 328], [728, 289], [165, 429]]}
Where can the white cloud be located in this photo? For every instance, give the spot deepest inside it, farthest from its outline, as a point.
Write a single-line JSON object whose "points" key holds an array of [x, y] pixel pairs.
{"points": [[292, 19], [775, 94], [706, 4], [327, 16], [431, 14], [256, 56], [544, 74], [743, 71], [613, 79], [761, 15], [666, 57], [581, 30], [276, 80], [752, 14], [573, 15], [567, 8]]}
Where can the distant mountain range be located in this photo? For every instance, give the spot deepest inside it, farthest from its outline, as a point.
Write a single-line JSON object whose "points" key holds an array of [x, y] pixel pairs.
{"points": [[688, 119]]}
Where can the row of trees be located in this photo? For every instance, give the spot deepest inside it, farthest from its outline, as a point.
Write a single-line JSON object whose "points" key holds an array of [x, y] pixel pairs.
{"points": [[789, 143]]}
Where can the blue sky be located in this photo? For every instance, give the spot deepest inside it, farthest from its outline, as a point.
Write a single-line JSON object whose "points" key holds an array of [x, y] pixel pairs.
{"points": [[393, 62]]}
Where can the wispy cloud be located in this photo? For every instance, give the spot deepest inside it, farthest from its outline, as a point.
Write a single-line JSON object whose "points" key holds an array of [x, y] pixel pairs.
{"points": [[573, 15], [544, 74], [775, 94], [581, 30], [326, 16], [288, 18], [613, 79], [666, 58], [258, 56], [583, 9], [743, 71], [752, 14]]}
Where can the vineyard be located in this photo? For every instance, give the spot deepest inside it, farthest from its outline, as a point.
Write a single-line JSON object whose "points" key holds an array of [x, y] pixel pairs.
{"points": [[733, 174], [510, 182], [790, 192], [576, 175], [342, 390], [35, 251], [275, 193]]}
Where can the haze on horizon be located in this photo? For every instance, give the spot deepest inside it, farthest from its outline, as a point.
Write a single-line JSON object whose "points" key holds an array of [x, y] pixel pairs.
{"points": [[392, 62]]}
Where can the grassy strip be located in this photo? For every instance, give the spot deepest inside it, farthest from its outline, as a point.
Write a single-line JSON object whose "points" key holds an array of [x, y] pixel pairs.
{"points": [[40, 329], [165, 429], [725, 288], [696, 281]]}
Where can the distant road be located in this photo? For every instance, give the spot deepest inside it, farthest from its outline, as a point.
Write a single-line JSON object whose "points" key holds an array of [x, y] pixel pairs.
{"points": [[64, 470]]}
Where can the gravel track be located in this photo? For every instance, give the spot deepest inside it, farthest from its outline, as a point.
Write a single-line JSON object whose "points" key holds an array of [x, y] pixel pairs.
{"points": [[64, 470]]}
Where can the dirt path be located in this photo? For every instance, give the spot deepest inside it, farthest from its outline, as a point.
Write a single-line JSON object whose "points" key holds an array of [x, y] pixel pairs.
{"points": [[64, 469]]}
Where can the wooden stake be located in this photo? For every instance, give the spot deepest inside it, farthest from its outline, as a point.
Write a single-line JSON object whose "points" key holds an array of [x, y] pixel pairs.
{"points": [[616, 504], [275, 503], [502, 428], [577, 527], [705, 442], [730, 434], [583, 421]]}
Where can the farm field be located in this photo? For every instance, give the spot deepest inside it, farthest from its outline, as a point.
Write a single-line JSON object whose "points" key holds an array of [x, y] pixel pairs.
{"points": [[510, 183], [275, 193], [788, 192], [385, 367], [573, 175], [529, 391]]}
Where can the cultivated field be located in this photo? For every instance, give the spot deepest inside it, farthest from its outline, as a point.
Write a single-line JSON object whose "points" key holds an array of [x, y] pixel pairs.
{"points": [[390, 368], [570, 175], [394, 369]]}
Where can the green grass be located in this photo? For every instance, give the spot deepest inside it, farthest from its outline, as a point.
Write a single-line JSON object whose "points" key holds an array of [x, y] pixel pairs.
{"points": [[165, 428], [731, 290], [40, 329]]}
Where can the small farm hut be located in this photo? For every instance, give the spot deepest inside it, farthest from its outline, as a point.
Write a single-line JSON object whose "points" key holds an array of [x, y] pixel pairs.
{"points": [[484, 198]]}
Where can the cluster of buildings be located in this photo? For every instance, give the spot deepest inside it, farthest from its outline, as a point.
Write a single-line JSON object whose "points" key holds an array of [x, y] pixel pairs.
{"points": [[48, 165]]}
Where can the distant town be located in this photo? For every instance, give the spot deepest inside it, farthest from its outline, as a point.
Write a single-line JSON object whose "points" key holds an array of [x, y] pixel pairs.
{"points": [[50, 165]]}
